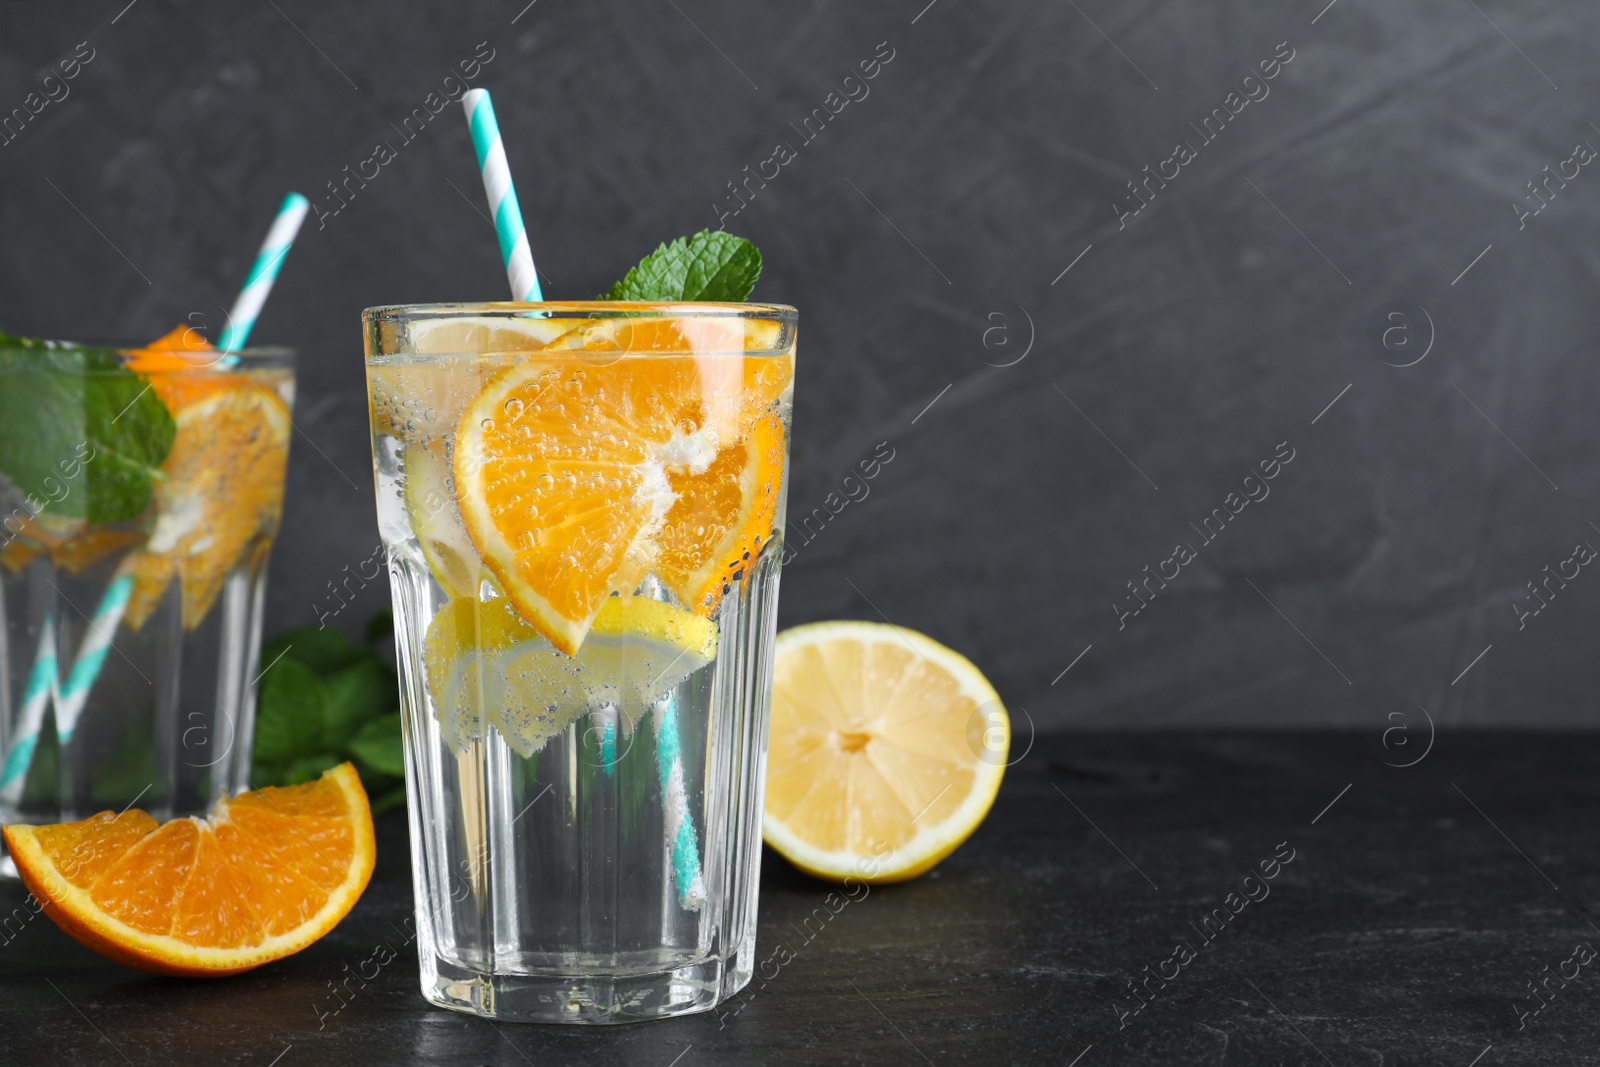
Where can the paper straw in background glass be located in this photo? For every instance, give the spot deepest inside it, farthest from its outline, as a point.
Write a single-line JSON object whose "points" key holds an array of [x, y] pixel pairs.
{"points": [[263, 272], [502, 196], [30, 717], [524, 279], [91, 657]]}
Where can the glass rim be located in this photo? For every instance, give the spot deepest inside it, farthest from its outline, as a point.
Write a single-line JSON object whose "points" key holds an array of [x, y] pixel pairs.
{"points": [[582, 308], [56, 345]]}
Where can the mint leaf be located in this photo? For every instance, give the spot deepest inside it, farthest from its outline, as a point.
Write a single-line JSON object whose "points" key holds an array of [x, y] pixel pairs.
{"points": [[130, 770], [289, 714], [325, 698], [712, 265], [80, 434], [354, 696], [323, 650], [394, 798], [309, 769], [381, 626], [378, 745]]}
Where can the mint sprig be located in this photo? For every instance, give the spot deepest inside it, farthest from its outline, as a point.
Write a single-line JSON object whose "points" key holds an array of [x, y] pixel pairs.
{"points": [[712, 265], [325, 699], [80, 434]]}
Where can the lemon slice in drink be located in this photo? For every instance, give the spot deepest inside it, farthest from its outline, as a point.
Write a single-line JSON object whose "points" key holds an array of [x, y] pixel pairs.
{"points": [[887, 750], [463, 643], [419, 400], [431, 506], [487, 667], [486, 334], [638, 651]]}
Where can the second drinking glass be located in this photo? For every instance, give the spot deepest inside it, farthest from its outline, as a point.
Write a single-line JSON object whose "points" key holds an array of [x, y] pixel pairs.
{"points": [[142, 490]]}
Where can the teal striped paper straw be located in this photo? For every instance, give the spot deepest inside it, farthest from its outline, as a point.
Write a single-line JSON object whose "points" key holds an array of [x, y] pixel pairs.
{"points": [[607, 721], [241, 320], [263, 272], [91, 656], [502, 195], [680, 826], [30, 717], [524, 278]]}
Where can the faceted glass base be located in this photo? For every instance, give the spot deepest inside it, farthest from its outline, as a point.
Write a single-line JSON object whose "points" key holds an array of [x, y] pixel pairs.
{"points": [[541, 998]]}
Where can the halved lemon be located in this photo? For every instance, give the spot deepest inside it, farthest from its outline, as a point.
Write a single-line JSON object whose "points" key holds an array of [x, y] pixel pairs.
{"points": [[568, 465], [487, 667], [887, 749], [268, 873]]}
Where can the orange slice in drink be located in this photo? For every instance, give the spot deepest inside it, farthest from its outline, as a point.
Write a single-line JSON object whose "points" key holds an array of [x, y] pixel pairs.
{"points": [[17, 555], [221, 488], [72, 544], [268, 873], [722, 517], [90, 547], [569, 465], [180, 368]]}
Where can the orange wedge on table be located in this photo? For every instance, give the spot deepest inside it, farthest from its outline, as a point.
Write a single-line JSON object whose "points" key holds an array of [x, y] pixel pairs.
{"points": [[222, 483], [616, 451], [268, 873]]}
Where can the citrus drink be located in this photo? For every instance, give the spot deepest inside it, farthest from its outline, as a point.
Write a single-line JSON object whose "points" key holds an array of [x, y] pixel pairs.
{"points": [[140, 490], [583, 506]]}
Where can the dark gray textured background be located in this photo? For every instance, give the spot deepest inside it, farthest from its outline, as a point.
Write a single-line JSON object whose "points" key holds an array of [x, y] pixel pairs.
{"points": [[1220, 322]]}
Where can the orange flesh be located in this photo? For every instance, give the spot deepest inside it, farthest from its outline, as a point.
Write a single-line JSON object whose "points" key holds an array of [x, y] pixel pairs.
{"points": [[716, 528], [278, 864], [619, 445], [177, 367]]}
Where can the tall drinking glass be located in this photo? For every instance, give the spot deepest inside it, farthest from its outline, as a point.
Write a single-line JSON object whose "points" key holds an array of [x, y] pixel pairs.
{"points": [[139, 494], [583, 506]]}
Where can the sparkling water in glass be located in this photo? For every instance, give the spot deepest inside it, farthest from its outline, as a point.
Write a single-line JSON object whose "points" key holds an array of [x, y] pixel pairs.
{"points": [[139, 496], [585, 819]]}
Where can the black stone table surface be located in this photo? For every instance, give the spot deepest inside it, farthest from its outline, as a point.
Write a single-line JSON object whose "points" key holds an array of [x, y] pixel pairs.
{"points": [[1409, 914]]}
